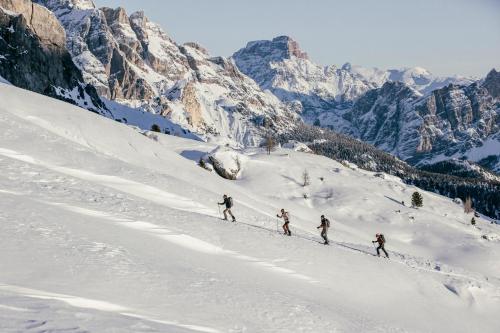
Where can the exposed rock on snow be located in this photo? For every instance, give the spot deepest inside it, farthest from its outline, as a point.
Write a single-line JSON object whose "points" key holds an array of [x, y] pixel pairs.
{"points": [[297, 146], [227, 162]]}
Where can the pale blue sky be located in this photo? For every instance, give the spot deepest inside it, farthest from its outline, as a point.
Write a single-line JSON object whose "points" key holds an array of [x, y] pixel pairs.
{"points": [[444, 36]]}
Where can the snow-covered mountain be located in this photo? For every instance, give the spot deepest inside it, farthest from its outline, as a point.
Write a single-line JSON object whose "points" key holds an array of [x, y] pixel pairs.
{"points": [[282, 67], [133, 61], [146, 79], [452, 122], [103, 229], [409, 112]]}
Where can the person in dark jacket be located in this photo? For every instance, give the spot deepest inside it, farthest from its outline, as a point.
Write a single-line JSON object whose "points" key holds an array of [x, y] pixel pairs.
{"points": [[325, 224], [381, 244], [228, 202], [286, 217]]}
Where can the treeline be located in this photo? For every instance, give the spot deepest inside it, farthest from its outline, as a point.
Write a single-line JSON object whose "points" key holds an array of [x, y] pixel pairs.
{"points": [[484, 193]]}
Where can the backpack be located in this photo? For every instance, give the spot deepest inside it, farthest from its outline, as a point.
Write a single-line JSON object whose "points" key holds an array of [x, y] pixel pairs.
{"points": [[382, 238], [327, 222], [230, 201]]}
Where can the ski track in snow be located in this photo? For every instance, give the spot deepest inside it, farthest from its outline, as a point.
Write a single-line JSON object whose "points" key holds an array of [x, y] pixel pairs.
{"points": [[85, 303], [201, 246], [183, 240], [131, 187], [194, 244]]}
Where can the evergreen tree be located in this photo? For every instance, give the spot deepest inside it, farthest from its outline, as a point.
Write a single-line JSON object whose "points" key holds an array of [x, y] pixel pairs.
{"points": [[417, 200], [155, 128], [473, 221]]}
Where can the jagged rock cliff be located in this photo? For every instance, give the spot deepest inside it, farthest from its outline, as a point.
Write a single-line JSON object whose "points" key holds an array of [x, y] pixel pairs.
{"points": [[133, 61], [452, 122], [281, 66], [33, 55]]}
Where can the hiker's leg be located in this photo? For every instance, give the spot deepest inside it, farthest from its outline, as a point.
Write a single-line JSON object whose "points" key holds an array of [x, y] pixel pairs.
{"points": [[230, 213], [383, 249], [378, 250], [225, 213]]}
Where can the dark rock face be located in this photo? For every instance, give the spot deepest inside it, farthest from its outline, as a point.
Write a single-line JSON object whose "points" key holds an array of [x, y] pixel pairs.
{"points": [[34, 56], [450, 121], [492, 83], [116, 52]]}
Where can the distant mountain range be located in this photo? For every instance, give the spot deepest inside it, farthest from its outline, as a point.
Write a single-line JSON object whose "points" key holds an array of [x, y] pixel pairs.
{"points": [[126, 67], [410, 113]]}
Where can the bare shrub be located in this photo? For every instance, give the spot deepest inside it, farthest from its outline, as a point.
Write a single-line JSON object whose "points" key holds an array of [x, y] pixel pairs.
{"points": [[306, 179]]}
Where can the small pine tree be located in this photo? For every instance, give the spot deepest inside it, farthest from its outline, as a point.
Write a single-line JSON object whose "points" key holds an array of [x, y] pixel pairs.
{"points": [[306, 180], [473, 221], [417, 200], [155, 128]]}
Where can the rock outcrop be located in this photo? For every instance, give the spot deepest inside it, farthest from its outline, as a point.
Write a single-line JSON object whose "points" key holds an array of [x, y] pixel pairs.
{"points": [[33, 55], [452, 122]]}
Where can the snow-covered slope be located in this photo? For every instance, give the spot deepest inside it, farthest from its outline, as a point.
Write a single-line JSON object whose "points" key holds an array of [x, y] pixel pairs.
{"points": [[105, 229]]}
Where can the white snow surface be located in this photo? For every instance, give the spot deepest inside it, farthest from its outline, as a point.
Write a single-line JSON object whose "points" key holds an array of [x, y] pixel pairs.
{"points": [[106, 230]]}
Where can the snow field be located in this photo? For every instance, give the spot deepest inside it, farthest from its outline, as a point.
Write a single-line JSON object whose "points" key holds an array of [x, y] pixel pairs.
{"points": [[105, 229]]}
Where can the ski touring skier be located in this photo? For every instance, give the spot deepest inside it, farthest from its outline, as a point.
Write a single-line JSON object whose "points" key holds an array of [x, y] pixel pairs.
{"points": [[286, 217], [228, 202], [381, 244], [325, 224]]}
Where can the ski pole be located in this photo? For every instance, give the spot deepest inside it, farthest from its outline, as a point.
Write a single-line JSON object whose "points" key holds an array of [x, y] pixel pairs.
{"points": [[277, 225]]}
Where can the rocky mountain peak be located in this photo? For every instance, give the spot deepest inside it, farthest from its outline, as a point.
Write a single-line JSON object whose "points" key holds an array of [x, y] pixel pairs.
{"points": [[397, 90], [43, 22], [492, 83], [116, 15], [347, 66], [277, 49], [69, 4], [197, 47]]}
